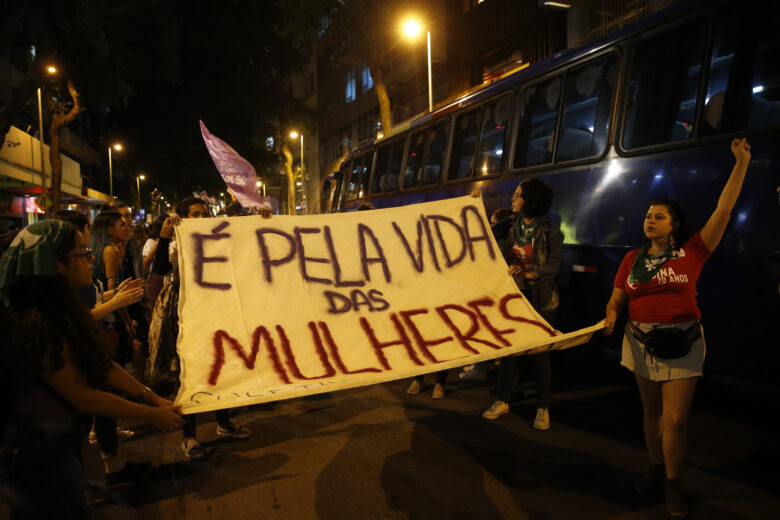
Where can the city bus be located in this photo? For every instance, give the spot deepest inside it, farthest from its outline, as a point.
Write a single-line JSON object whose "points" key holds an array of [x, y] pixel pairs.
{"points": [[648, 112]]}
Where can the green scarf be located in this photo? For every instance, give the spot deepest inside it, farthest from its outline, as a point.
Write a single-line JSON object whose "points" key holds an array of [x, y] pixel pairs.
{"points": [[31, 254], [525, 233], [646, 265]]}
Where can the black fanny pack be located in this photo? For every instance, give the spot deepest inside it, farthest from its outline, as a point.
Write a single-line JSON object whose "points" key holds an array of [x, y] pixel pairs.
{"points": [[667, 342]]}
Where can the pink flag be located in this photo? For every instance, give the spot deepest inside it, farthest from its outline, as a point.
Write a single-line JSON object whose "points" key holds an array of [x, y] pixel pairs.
{"points": [[236, 171]]}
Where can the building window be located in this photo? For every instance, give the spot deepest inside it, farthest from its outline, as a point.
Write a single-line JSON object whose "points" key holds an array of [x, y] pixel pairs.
{"points": [[366, 81], [350, 91]]}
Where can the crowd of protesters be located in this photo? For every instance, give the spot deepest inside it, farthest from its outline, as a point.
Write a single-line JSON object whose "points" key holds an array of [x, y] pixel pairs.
{"points": [[81, 301]]}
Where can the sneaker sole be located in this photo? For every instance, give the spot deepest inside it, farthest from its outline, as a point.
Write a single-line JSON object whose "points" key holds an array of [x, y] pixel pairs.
{"points": [[494, 415], [232, 436]]}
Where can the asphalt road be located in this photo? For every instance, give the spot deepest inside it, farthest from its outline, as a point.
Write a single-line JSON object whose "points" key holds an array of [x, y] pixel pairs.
{"points": [[375, 452]]}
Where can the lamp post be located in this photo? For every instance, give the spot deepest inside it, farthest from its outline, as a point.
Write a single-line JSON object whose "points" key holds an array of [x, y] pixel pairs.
{"points": [[294, 135], [138, 179], [118, 148], [51, 70], [261, 185], [412, 28]]}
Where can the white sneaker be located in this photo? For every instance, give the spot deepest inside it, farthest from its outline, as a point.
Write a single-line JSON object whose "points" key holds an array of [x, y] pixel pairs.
{"points": [[542, 421], [438, 391], [414, 388], [192, 449], [498, 408], [234, 430]]}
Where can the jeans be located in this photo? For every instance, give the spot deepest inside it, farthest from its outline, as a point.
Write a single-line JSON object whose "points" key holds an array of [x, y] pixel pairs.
{"points": [[188, 430], [542, 370]]}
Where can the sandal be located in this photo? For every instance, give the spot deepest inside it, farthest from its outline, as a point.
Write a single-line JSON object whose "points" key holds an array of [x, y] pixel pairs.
{"points": [[192, 449]]}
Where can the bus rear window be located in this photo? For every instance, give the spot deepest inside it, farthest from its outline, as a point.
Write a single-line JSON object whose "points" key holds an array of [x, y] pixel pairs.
{"points": [[664, 87]]}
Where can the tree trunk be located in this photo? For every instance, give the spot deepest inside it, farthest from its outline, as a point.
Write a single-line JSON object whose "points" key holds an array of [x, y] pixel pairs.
{"points": [[59, 120], [288, 161], [384, 99]]}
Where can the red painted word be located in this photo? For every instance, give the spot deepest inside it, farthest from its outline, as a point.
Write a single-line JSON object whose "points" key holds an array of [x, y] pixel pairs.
{"points": [[408, 337]]}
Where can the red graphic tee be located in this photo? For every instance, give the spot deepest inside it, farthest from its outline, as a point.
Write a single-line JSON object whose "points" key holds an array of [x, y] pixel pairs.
{"points": [[522, 255], [670, 296]]}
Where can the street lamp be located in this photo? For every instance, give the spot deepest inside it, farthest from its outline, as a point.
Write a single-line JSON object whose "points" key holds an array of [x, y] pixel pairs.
{"points": [[294, 135], [118, 148], [138, 180], [412, 28], [51, 70], [261, 185]]}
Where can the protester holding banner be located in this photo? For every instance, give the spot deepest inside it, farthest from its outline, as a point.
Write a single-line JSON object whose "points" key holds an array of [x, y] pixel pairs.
{"points": [[532, 246], [53, 366], [663, 343], [164, 327]]}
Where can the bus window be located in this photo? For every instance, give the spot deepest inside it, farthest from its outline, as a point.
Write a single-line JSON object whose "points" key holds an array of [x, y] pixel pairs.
{"points": [[342, 187], [388, 167], [464, 144], [361, 167], [587, 103], [414, 160], [664, 87], [743, 90], [495, 118], [434, 157], [538, 115]]}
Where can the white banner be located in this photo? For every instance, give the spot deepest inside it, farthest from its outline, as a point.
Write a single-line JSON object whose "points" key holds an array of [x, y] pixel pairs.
{"points": [[279, 308]]}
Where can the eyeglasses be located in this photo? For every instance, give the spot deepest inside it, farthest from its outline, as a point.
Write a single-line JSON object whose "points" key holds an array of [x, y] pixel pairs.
{"points": [[87, 253]]}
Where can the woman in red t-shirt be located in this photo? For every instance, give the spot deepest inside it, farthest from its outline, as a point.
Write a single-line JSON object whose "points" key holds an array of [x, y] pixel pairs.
{"points": [[659, 283]]}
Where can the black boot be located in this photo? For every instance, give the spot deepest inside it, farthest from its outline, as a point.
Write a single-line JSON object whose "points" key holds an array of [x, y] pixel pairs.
{"points": [[651, 481], [676, 504]]}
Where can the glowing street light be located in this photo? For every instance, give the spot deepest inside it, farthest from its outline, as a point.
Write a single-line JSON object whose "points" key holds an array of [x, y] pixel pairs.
{"points": [[138, 180], [118, 148], [411, 29], [294, 135], [51, 70]]}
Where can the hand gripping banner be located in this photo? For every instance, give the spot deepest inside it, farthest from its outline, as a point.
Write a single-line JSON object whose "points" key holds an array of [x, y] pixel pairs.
{"points": [[290, 306]]}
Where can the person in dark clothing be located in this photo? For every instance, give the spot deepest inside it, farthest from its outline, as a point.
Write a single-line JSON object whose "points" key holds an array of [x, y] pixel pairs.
{"points": [[164, 327], [55, 365], [532, 247]]}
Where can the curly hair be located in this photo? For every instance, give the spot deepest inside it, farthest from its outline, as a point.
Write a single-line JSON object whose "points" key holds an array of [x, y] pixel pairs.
{"points": [[182, 208], [45, 316]]}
